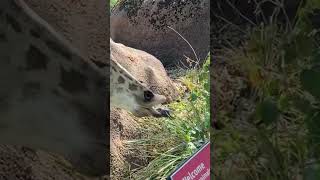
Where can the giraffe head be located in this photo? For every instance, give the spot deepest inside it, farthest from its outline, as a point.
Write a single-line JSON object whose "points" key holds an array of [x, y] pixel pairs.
{"points": [[128, 93]]}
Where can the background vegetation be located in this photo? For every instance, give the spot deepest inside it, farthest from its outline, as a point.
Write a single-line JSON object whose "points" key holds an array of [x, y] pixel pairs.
{"points": [[278, 138]]}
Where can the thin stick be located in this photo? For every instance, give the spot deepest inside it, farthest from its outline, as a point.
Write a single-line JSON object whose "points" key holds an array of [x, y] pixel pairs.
{"points": [[194, 52], [237, 10], [229, 22]]}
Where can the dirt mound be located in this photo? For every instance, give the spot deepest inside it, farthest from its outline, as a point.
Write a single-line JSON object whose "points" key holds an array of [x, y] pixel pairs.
{"points": [[143, 25], [21, 163], [123, 127]]}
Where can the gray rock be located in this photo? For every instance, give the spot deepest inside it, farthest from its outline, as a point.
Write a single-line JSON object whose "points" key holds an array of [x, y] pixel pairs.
{"points": [[143, 25]]}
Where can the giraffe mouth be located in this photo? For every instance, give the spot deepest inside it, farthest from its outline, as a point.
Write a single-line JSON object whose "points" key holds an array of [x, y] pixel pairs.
{"points": [[144, 109], [151, 111], [160, 112]]}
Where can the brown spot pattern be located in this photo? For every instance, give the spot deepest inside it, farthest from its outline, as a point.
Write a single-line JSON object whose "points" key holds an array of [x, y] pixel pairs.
{"points": [[3, 37], [14, 23], [73, 81], [121, 80], [35, 59], [133, 87], [35, 33], [99, 64]]}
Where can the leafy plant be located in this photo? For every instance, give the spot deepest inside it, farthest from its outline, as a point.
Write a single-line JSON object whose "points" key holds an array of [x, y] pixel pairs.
{"points": [[179, 137]]}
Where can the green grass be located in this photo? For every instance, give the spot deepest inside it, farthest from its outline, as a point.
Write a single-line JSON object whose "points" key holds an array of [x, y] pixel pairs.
{"points": [[170, 141], [112, 3]]}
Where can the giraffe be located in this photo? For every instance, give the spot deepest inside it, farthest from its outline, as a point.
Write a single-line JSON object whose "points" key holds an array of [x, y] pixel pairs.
{"points": [[130, 94], [53, 98]]}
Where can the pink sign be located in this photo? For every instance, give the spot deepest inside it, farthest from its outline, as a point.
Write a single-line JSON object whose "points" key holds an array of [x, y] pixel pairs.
{"points": [[196, 168]]}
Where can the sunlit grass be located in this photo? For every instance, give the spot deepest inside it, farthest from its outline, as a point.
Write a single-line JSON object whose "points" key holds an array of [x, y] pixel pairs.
{"points": [[170, 141], [112, 3]]}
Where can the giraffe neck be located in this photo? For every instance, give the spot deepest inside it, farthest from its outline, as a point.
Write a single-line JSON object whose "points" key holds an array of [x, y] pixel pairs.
{"points": [[54, 99], [120, 81]]}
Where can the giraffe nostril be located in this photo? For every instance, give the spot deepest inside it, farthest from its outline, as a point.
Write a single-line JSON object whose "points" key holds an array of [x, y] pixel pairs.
{"points": [[148, 95]]}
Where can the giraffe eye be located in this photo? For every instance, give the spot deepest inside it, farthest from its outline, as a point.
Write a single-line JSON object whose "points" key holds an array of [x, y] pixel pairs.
{"points": [[148, 95]]}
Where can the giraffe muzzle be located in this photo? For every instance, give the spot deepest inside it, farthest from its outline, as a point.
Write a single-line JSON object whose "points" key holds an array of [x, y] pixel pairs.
{"points": [[148, 108]]}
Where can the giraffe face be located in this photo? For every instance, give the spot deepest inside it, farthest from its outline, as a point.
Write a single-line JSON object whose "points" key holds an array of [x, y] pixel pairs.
{"points": [[140, 104], [129, 94], [145, 102]]}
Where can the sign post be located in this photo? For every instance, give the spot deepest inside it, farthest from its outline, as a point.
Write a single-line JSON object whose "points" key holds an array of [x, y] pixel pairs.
{"points": [[197, 167]]}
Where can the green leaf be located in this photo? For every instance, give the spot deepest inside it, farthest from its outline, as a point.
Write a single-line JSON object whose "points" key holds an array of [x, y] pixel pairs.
{"points": [[290, 53], [191, 146], [304, 44], [207, 120], [310, 81], [312, 172], [313, 125], [187, 138], [316, 57], [284, 102], [267, 112], [300, 45], [273, 87], [193, 97], [302, 104]]}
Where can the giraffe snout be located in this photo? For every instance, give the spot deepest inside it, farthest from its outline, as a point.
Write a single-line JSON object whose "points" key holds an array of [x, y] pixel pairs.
{"points": [[160, 99]]}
